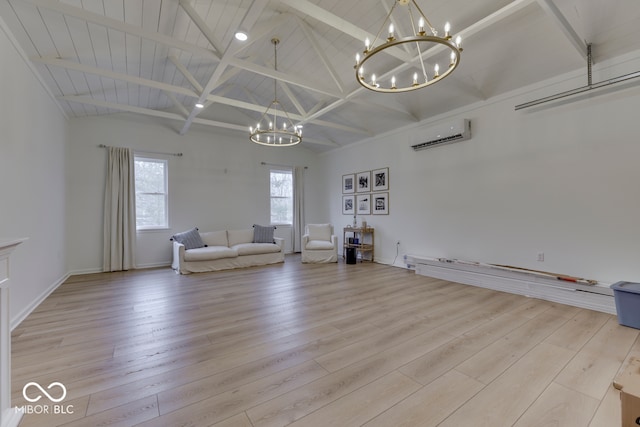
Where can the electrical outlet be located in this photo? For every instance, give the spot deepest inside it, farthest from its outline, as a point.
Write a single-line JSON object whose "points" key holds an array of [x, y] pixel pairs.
{"points": [[541, 256]]}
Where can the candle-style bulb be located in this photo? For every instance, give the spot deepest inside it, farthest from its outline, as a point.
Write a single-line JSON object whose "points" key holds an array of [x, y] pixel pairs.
{"points": [[393, 82], [421, 26], [447, 29], [373, 79], [391, 31], [415, 79], [459, 42], [270, 125], [361, 72], [367, 44], [250, 129], [453, 58], [437, 70], [357, 58]]}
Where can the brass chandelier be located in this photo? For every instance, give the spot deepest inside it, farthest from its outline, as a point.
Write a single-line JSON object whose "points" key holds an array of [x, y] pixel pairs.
{"points": [[267, 131], [421, 37]]}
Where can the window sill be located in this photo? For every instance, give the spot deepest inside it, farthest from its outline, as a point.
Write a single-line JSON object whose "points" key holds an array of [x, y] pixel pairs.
{"points": [[152, 230]]}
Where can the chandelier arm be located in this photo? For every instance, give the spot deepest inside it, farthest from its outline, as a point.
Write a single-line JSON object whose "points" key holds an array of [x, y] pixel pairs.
{"points": [[426, 20], [387, 18], [413, 28]]}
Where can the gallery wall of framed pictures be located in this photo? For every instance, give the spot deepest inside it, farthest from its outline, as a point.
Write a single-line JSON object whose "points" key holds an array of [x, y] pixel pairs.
{"points": [[366, 193]]}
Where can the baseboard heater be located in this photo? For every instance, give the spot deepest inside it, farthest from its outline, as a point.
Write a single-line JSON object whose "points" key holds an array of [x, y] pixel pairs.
{"points": [[561, 289]]}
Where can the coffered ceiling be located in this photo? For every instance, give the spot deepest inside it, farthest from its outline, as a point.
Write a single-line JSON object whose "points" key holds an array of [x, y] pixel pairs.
{"points": [[159, 57]]}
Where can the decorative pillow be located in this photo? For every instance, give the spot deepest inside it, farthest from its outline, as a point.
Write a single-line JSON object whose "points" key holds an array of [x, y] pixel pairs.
{"points": [[190, 239], [319, 232], [263, 234]]}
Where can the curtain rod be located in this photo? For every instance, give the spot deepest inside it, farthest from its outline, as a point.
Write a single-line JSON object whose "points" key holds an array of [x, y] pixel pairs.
{"points": [[147, 152], [279, 166]]}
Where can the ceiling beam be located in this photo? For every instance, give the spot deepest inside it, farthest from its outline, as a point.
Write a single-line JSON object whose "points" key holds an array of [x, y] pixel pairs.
{"points": [[278, 75], [171, 116], [177, 103], [114, 24], [202, 26], [115, 75], [148, 112], [224, 60], [187, 75], [334, 21], [308, 32], [554, 13], [182, 91], [292, 97]]}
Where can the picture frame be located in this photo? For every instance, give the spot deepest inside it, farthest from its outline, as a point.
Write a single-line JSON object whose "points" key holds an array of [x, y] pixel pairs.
{"points": [[348, 205], [363, 182], [348, 183], [380, 203], [380, 179], [363, 204]]}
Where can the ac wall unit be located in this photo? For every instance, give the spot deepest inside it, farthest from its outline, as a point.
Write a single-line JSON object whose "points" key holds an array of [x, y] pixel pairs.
{"points": [[444, 133]]}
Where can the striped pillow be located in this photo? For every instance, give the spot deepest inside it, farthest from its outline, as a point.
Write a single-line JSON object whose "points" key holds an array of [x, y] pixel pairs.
{"points": [[190, 239], [263, 234]]}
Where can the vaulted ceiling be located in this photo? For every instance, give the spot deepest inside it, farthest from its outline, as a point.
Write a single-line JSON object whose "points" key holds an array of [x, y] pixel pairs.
{"points": [[159, 57]]}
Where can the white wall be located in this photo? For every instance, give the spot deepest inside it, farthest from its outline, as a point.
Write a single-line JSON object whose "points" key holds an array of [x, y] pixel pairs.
{"points": [[562, 180], [218, 183], [33, 134]]}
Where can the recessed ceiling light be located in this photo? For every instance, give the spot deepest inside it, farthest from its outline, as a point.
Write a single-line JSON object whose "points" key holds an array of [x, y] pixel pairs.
{"points": [[242, 36], [198, 105]]}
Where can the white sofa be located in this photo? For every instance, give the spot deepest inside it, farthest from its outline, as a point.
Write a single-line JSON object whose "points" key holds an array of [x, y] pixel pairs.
{"points": [[319, 244], [225, 250]]}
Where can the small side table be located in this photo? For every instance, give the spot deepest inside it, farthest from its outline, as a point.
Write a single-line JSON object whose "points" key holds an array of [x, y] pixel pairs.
{"points": [[365, 245]]}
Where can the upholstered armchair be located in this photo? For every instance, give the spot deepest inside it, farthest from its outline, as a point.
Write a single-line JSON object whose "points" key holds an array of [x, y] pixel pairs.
{"points": [[319, 244]]}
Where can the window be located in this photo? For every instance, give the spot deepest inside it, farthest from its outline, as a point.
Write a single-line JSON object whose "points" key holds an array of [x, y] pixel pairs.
{"points": [[281, 184], [151, 193]]}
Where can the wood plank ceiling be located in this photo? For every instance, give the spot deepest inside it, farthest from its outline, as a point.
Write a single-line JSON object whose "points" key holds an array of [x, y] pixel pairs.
{"points": [[159, 57]]}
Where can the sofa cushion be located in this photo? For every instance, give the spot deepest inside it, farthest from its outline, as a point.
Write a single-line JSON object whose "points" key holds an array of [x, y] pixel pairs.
{"points": [[240, 236], [256, 248], [215, 238], [319, 245], [263, 234], [190, 239], [319, 232], [209, 253]]}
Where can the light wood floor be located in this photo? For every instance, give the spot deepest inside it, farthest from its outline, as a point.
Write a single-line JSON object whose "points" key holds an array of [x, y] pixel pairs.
{"points": [[316, 345]]}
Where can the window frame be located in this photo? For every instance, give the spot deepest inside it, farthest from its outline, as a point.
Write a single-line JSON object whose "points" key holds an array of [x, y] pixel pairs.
{"points": [[281, 170], [165, 162]]}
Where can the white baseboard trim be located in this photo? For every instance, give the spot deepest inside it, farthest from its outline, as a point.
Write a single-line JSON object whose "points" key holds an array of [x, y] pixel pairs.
{"points": [[598, 298], [154, 265], [36, 302]]}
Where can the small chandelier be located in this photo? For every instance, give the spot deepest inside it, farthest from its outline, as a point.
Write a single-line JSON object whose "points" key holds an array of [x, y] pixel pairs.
{"points": [[420, 79], [267, 131]]}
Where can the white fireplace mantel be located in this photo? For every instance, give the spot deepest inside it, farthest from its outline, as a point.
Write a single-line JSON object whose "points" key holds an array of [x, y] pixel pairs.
{"points": [[8, 417]]}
